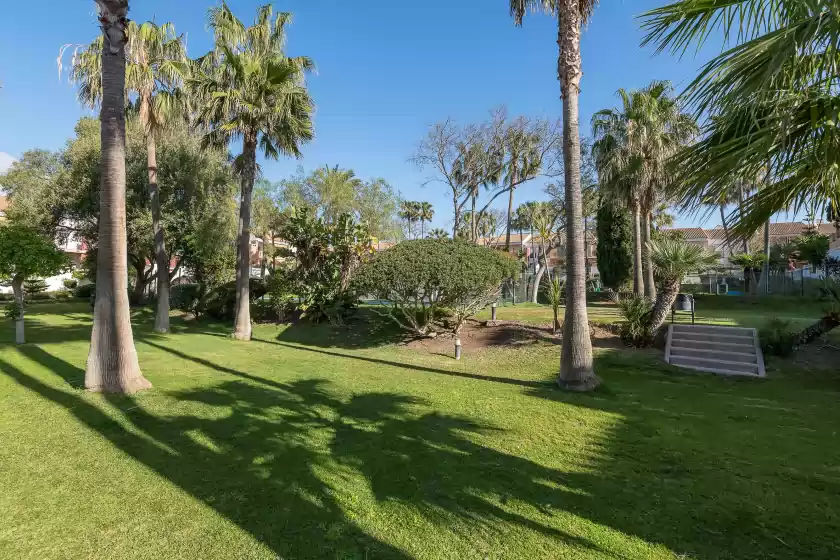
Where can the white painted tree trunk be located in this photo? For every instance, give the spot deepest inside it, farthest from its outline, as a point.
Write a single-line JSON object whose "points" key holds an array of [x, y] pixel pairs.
{"points": [[17, 288]]}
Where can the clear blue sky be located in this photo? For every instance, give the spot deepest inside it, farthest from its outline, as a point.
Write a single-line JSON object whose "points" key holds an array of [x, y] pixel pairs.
{"points": [[386, 71]]}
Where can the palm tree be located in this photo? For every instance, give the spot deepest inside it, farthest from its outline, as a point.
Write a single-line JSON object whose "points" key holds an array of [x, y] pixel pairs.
{"points": [[524, 160], [248, 88], [636, 142], [425, 214], [155, 66], [772, 98], [576, 367], [672, 259], [336, 190], [409, 211], [112, 364], [438, 233]]}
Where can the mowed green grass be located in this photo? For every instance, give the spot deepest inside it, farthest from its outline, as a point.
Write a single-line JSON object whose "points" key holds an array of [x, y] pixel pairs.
{"points": [[320, 442]]}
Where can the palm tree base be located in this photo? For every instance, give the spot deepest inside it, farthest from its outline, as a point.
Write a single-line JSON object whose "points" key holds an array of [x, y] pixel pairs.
{"points": [[240, 336], [128, 387], [588, 383]]}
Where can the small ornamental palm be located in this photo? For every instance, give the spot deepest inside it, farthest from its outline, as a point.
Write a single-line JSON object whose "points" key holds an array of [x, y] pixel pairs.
{"points": [[247, 88], [672, 259]]}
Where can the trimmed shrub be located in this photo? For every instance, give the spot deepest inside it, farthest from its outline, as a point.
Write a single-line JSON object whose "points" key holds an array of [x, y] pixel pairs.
{"points": [[84, 291], [615, 245], [420, 277], [70, 283], [185, 297], [220, 303]]}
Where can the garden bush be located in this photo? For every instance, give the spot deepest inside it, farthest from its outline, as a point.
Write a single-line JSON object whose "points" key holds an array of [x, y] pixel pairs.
{"points": [[636, 311], [220, 303], [778, 337], [70, 283], [186, 297], [326, 257], [85, 291], [419, 278]]}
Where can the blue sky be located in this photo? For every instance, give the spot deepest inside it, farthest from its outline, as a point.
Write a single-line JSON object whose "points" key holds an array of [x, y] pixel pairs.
{"points": [[386, 72]]}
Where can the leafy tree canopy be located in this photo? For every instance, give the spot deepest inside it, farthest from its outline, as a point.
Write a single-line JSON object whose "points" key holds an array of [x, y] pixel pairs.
{"points": [[25, 253], [419, 277]]}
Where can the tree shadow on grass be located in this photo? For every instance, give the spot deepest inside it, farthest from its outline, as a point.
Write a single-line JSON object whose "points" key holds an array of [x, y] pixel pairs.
{"points": [[366, 329], [283, 460], [709, 468]]}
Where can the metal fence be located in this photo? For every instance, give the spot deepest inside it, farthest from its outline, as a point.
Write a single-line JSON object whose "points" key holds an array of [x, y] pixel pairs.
{"points": [[805, 282]]}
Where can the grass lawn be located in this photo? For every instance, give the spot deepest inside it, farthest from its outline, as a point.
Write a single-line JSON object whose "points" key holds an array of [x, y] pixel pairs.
{"points": [[318, 442]]}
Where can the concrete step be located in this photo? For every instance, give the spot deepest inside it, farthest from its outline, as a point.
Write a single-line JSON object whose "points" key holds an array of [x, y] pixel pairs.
{"points": [[708, 363], [706, 345], [710, 337], [718, 371], [715, 354], [711, 329]]}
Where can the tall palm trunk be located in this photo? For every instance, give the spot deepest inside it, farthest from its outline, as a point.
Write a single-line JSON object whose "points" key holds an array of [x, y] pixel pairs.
{"points": [[664, 302], [764, 281], [161, 256], [112, 364], [741, 196], [650, 287], [576, 368], [242, 317], [473, 226], [457, 223], [510, 206], [726, 238], [638, 277]]}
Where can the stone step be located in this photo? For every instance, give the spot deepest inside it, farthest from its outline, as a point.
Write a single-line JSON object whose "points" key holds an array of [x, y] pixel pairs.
{"points": [[708, 363], [707, 345], [709, 337], [710, 329], [714, 354], [717, 371]]}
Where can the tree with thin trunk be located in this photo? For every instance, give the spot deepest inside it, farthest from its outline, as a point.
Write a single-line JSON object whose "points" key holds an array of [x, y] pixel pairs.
{"points": [[112, 364], [155, 68], [25, 254], [425, 214], [247, 88]]}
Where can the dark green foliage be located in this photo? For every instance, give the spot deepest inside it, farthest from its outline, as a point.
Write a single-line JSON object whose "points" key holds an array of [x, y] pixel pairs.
{"points": [[421, 276], [84, 290], [778, 337], [70, 283], [327, 256], [615, 245], [813, 247], [34, 286], [637, 311], [282, 299], [186, 297], [220, 303]]}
